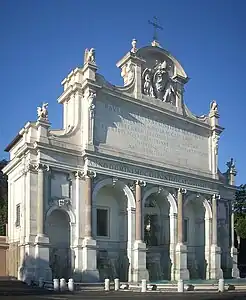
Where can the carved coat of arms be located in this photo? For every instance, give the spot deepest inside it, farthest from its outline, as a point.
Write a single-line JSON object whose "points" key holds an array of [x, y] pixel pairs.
{"points": [[157, 83]]}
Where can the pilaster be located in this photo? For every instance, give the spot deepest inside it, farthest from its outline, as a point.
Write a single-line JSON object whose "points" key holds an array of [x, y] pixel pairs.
{"points": [[41, 240], [89, 245], [78, 262]]}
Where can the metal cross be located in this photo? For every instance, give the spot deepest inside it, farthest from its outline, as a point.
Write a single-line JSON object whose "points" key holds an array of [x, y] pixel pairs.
{"points": [[156, 26]]}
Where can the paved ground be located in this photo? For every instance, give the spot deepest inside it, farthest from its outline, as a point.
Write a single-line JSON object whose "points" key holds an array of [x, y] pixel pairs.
{"points": [[129, 295]]}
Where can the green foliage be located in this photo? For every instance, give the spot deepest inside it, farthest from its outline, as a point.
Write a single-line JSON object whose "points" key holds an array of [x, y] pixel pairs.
{"points": [[3, 199], [240, 211]]}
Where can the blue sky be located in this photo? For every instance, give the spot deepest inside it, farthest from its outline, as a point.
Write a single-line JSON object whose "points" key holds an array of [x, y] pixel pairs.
{"points": [[42, 41]]}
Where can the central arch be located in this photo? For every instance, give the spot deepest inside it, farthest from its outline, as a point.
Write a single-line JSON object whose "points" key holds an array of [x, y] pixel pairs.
{"points": [[160, 214], [114, 199]]}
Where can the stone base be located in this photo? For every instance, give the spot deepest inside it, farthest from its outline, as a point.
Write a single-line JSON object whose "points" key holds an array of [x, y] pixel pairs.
{"points": [[181, 271], [235, 271], [215, 270], [139, 262], [89, 261], [42, 268]]}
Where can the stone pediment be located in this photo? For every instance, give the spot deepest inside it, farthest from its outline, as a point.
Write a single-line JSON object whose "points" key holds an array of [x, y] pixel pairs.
{"points": [[155, 55], [162, 76]]}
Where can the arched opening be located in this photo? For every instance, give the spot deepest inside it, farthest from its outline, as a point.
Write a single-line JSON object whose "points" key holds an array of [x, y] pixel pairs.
{"points": [[111, 229], [58, 231], [194, 236], [156, 228]]}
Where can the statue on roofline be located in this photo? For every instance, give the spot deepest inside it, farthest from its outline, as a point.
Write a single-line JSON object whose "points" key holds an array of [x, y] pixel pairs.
{"points": [[43, 111], [214, 107], [90, 56]]}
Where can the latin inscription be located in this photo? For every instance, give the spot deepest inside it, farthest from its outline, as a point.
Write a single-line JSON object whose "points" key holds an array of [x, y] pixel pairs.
{"points": [[139, 133], [142, 172]]}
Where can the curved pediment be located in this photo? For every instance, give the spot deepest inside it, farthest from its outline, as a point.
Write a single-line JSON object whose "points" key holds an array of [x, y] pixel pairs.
{"points": [[154, 55]]}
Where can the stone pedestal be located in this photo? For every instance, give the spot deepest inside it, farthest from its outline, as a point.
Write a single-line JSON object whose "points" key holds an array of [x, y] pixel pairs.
{"points": [[234, 272], [42, 258], [139, 267], [181, 271], [215, 269], [89, 261]]}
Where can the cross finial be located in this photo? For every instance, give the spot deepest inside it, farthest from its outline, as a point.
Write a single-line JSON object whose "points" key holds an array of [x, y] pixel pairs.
{"points": [[156, 26]]}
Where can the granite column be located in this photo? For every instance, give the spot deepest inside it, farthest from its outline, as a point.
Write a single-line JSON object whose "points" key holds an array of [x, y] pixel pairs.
{"points": [[139, 270], [215, 271], [181, 271]]}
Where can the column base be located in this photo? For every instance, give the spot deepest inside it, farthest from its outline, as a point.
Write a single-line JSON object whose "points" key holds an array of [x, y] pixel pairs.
{"points": [[181, 271], [235, 271], [139, 262], [42, 255], [215, 269], [90, 272]]}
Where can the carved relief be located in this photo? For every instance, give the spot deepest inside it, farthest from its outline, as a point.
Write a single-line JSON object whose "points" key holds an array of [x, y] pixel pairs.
{"points": [[157, 83], [128, 73], [216, 138]]}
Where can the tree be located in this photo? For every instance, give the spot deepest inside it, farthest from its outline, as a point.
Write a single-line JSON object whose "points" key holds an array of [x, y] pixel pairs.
{"points": [[240, 211], [3, 199]]}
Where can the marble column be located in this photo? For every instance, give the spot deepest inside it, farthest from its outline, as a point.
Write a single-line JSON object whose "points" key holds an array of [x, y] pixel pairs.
{"points": [[181, 271], [41, 241], [235, 270], [89, 270], [139, 267], [215, 270]]}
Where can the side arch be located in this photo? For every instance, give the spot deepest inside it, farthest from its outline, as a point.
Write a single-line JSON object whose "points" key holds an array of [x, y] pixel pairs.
{"points": [[205, 203], [68, 211]]}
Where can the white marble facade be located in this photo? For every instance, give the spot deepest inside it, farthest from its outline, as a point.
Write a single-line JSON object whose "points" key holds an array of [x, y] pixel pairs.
{"points": [[129, 187]]}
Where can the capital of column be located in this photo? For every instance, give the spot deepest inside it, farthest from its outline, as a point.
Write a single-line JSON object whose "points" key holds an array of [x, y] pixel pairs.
{"points": [[140, 182], [78, 174], [41, 167], [216, 197], [90, 174], [182, 191]]}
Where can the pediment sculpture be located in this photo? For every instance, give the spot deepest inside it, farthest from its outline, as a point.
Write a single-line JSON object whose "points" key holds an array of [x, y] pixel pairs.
{"points": [[158, 83]]}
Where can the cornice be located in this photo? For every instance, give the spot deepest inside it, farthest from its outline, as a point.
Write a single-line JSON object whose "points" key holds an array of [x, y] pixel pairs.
{"points": [[53, 148]]}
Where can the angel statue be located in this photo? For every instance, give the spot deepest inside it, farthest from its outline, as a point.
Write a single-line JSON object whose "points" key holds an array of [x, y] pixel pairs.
{"points": [[43, 111], [214, 106], [90, 56]]}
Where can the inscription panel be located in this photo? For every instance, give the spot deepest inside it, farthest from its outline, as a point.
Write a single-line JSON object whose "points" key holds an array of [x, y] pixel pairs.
{"points": [[100, 165], [135, 131]]}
